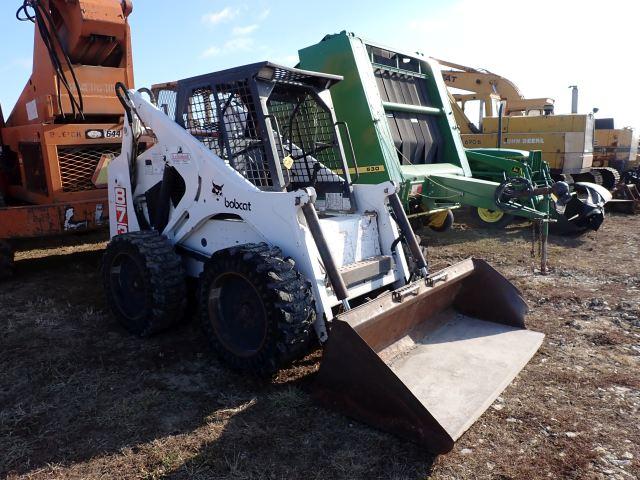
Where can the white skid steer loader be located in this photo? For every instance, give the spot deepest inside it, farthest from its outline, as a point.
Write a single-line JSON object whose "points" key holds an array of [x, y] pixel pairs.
{"points": [[240, 192]]}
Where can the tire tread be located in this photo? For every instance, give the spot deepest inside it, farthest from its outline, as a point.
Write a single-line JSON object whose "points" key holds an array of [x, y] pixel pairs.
{"points": [[165, 274], [287, 297]]}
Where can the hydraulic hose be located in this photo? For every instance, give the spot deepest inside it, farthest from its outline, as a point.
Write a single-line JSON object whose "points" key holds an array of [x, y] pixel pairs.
{"points": [[405, 230]]}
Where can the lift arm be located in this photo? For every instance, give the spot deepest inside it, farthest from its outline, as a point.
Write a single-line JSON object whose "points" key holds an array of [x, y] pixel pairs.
{"points": [[484, 84]]}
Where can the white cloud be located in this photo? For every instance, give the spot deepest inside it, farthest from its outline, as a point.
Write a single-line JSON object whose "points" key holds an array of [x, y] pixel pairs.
{"points": [[288, 60], [265, 13], [212, 51], [213, 18], [235, 44], [230, 46], [240, 31]]}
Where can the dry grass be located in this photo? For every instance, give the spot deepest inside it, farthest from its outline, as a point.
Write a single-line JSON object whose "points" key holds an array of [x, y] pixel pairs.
{"points": [[80, 398]]}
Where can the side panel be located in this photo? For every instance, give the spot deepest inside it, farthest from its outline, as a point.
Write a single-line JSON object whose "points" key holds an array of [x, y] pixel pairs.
{"points": [[615, 148], [70, 156], [217, 235], [44, 220], [541, 123], [577, 158], [564, 152], [357, 102]]}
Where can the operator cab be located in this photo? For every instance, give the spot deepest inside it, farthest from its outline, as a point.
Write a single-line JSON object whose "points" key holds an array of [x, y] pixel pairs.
{"points": [[272, 124]]}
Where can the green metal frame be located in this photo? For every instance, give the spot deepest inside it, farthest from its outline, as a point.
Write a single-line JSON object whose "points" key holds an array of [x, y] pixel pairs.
{"points": [[440, 186], [501, 164]]}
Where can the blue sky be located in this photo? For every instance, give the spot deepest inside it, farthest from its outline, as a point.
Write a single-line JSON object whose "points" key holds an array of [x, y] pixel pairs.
{"points": [[542, 46]]}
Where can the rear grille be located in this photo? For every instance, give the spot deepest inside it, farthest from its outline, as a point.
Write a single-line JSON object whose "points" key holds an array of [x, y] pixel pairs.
{"points": [[78, 164]]}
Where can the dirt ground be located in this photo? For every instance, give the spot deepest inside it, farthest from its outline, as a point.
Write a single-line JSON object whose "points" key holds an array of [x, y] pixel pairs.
{"points": [[81, 398]]}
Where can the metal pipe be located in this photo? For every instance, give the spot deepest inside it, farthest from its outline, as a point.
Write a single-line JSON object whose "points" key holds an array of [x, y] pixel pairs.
{"points": [[500, 112], [345, 305], [401, 107], [275, 167], [544, 260], [544, 269], [574, 98], [313, 222], [407, 232]]}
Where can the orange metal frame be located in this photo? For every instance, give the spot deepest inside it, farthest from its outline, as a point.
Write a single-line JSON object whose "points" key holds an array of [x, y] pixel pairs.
{"points": [[51, 138], [96, 36], [46, 220]]}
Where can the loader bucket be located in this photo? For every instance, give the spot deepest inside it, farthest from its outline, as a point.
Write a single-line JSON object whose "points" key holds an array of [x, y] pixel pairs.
{"points": [[425, 361]]}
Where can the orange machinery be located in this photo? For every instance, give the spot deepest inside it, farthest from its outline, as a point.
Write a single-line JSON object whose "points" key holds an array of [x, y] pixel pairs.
{"points": [[67, 123]]}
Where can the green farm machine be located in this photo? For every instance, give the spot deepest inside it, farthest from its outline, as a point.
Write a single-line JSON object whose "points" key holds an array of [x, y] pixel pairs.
{"points": [[402, 128], [569, 213]]}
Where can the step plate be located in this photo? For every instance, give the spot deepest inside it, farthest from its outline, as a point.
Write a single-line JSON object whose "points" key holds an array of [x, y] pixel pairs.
{"points": [[366, 270]]}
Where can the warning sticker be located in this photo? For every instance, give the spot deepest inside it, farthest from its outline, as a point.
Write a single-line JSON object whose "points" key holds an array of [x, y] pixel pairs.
{"points": [[181, 158], [288, 162], [369, 169], [32, 110]]}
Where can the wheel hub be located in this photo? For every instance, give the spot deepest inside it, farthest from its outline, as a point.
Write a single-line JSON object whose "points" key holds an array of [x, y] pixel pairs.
{"points": [[127, 283], [490, 216], [437, 220], [238, 314]]}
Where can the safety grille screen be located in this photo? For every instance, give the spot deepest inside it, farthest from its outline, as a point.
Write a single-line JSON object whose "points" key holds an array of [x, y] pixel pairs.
{"points": [[269, 123], [166, 100], [78, 164], [307, 139], [225, 121]]}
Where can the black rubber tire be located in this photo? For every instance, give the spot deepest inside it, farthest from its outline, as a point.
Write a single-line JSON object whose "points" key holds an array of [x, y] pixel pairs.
{"points": [[448, 223], [157, 276], [6, 260], [275, 303], [498, 225]]}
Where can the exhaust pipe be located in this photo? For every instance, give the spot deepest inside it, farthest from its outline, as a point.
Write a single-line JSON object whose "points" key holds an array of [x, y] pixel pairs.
{"points": [[574, 98]]}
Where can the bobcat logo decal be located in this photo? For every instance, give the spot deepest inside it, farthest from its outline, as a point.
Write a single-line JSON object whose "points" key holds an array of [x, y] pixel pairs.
{"points": [[217, 190]]}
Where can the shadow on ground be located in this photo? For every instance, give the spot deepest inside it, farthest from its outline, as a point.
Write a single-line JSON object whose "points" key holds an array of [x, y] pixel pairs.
{"points": [[466, 230], [75, 387], [282, 433]]}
